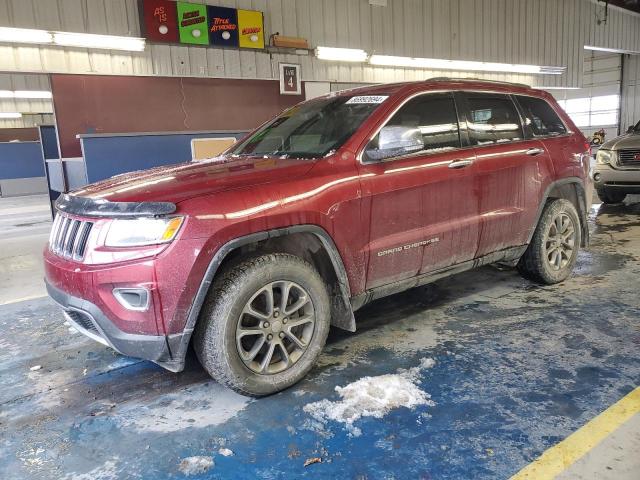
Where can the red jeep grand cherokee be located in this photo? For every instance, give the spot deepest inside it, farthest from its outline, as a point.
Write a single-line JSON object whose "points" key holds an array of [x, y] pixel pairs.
{"points": [[334, 203]]}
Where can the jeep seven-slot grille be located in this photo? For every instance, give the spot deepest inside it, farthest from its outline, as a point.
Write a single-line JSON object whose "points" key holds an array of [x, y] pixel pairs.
{"points": [[629, 158], [69, 236]]}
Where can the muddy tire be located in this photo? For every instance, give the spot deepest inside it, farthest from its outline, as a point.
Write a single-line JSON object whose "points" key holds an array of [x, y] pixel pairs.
{"points": [[263, 324], [553, 250], [607, 196]]}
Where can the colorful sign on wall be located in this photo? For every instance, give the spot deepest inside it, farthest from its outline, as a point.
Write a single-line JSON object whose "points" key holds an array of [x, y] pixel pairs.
{"points": [[160, 19], [197, 24], [192, 23], [223, 26], [251, 25]]}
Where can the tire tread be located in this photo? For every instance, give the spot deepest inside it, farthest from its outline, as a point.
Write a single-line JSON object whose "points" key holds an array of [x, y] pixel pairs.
{"points": [[210, 324]]}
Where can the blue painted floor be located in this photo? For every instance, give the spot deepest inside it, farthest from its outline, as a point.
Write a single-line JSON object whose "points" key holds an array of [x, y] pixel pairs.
{"points": [[518, 367]]}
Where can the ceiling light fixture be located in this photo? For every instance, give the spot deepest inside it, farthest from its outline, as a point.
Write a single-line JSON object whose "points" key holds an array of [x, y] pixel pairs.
{"points": [[90, 40], [556, 88], [341, 54], [465, 65], [71, 39], [24, 35], [31, 94], [10, 115], [611, 50]]}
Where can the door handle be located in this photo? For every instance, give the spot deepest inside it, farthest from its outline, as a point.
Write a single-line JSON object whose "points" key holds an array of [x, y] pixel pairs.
{"points": [[460, 163], [535, 151]]}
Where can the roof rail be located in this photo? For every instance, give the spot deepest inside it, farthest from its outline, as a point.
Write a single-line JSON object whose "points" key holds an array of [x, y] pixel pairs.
{"points": [[468, 79]]}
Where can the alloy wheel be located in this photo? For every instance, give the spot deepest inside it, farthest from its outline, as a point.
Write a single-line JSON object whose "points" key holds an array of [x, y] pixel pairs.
{"points": [[275, 327], [560, 241]]}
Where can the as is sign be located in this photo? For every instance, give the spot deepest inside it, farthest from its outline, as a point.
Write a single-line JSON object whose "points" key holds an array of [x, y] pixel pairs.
{"points": [[290, 83]]}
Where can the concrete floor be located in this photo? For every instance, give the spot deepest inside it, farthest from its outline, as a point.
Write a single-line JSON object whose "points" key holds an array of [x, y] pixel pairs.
{"points": [[518, 367]]}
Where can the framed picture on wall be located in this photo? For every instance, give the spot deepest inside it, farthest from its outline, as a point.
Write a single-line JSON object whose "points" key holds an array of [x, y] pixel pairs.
{"points": [[290, 82]]}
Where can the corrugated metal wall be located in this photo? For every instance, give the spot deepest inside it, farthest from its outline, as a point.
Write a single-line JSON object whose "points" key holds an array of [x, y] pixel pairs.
{"points": [[630, 109], [35, 112], [541, 32]]}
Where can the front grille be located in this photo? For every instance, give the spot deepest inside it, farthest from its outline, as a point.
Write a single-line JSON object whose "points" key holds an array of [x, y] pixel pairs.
{"points": [[629, 158], [69, 236], [83, 320]]}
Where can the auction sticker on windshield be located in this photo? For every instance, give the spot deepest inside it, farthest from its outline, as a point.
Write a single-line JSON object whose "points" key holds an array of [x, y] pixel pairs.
{"points": [[368, 99]]}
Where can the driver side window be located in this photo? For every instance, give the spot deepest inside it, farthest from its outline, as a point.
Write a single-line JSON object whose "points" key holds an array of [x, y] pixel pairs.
{"points": [[432, 117]]}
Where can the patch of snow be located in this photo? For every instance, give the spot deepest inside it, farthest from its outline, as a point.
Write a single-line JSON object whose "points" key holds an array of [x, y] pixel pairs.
{"points": [[373, 397], [225, 452], [35, 367], [121, 362], [106, 471], [195, 465], [204, 405]]}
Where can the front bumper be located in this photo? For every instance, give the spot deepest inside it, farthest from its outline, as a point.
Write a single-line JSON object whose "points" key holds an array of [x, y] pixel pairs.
{"points": [[606, 177], [92, 322]]}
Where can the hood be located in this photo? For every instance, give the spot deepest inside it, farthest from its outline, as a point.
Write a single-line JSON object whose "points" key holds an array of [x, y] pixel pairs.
{"points": [[628, 140], [176, 183]]}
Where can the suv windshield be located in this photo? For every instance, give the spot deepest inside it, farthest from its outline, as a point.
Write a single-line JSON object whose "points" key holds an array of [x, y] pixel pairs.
{"points": [[311, 129]]}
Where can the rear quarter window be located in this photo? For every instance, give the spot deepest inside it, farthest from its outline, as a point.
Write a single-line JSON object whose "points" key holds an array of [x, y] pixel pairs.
{"points": [[540, 117]]}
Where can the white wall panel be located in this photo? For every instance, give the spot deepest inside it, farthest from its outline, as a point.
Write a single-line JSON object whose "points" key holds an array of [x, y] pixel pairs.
{"points": [[14, 81], [27, 121], [630, 108], [542, 32]]}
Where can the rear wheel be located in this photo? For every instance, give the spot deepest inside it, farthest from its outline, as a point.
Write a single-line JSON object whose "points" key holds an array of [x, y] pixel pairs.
{"points": [[608, 196], [553, 250], [264, 324]]}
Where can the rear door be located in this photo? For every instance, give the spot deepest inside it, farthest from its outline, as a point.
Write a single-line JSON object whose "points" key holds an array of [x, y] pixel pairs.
{"points": [[511, 169], [421, 206]]}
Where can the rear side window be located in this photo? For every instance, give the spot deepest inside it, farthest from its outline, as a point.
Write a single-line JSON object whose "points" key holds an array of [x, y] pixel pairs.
{"points": [[540, 117], [492, 118], [436, 118]]}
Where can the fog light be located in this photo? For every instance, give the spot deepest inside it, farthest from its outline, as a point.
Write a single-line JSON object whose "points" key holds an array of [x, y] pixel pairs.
{"points": [[136, 299], [596, 177]]}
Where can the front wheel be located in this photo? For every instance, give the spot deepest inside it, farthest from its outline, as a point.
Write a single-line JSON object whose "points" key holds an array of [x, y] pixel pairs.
{"points": [[553, 250], [264, 324]]}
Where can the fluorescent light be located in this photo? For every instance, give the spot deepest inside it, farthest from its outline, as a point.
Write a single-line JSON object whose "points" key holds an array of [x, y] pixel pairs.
{"points": [[556, 88], [71, 39], [10, 115], [440, 64], [341, 54], [611, 50], [24, 35], [89, 40], [25, 94]]}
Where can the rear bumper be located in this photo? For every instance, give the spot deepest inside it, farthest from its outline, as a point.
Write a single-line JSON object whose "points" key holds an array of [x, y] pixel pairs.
{"points": [[92, 322]]}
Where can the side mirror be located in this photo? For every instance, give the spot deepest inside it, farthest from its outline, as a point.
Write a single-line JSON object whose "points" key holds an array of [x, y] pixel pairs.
{"points": [[394, 141], [630, 129]]}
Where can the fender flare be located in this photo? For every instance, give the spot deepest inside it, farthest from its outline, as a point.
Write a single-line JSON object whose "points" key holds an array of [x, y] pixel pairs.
{"points": [[179, 343], [583, 209]]}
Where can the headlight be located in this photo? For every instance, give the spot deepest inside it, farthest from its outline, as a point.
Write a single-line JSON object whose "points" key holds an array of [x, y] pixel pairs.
{"points": [[604, 157], [142, 231]]}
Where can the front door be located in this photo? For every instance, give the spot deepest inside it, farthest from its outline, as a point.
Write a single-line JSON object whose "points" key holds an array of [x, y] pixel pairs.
{"points": [[422, 206]]}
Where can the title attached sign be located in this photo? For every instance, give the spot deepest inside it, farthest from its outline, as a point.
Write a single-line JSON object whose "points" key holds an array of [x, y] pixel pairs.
{"points": [[197, 24], [223, 26]]}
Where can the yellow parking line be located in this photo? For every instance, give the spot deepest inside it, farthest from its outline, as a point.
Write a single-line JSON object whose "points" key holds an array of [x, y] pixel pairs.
{"points": [[23, 299], [559, 457]]}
